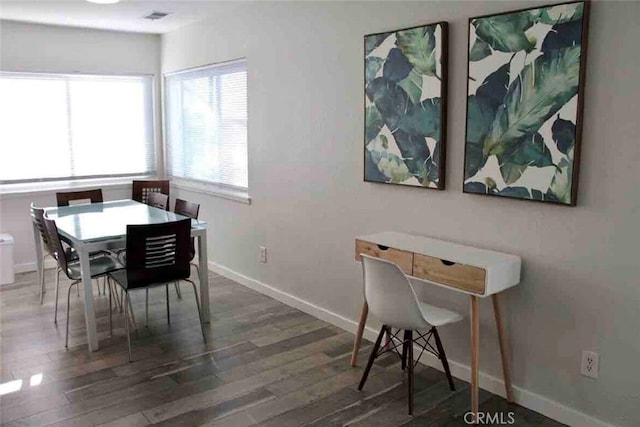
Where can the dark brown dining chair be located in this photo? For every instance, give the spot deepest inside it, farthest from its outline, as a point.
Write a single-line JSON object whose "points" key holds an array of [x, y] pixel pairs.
{"points": [[158, 254], [191, 210], [94, 196], [48, 250], [100, 266], [159, 200], [37, 216], [142, 188]]}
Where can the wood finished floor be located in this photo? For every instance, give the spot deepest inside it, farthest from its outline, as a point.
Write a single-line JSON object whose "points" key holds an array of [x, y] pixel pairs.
{"points": [[264, 364]]}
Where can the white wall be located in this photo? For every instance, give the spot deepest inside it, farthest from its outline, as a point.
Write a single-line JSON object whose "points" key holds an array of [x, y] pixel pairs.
{"points": [[47, 48], [580, 287]]}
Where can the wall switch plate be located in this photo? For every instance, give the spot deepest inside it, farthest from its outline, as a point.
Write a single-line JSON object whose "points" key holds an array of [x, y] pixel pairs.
{"points": [[263, 254], [590, 362]]}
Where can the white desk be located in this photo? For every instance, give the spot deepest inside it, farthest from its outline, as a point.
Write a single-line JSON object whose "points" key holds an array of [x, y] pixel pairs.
{"points": [[98, 226], [477, 272]]}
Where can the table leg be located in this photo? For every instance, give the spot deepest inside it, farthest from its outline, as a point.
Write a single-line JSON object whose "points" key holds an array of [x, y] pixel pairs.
{"points": [[204, 276], [504, 348], [89, 310], [475, 350], [39, 261], [358, 339]]}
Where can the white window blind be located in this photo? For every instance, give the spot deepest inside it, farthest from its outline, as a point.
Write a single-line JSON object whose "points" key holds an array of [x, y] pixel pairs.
{"points": [[73, 127], [206, 118]]}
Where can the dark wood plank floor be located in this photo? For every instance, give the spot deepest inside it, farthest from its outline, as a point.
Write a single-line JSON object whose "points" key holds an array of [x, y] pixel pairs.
{"points": [[264, 364]]}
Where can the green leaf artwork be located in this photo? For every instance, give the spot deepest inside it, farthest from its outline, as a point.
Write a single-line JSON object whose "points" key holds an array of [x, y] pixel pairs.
{"points": [[372, 66], [525, 71], [404, 105], [479, 50], [419, 46]]}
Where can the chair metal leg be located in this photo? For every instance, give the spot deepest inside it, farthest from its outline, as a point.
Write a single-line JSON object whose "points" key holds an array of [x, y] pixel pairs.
{"points": [[405, 349], [410, 369], [197, 269], [195, 292], [66, 338], [41, 278], [146, 308], [133, 316], [387, 341], [176, 284], [443, 358], [126, 322], [55, 311], [374, 352], [166, 287], [112, 292], [122, 301], [110, 313], [118, 296], [114, 287]]}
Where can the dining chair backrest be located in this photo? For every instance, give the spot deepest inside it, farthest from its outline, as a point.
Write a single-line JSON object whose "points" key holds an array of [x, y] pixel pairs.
{"points": [[158, 253], [191, 210], [185, 208], [56, 245], [390, 295], [158, 200], [37, 216], [142, 188], [94, 196]]}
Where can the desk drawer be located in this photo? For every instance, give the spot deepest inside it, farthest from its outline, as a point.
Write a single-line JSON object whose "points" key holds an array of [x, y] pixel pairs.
{"points": [[404, 259], [465, 277]]}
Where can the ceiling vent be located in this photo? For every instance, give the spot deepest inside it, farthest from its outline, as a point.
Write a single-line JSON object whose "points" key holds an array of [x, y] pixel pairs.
{"points": [[154, 16]]}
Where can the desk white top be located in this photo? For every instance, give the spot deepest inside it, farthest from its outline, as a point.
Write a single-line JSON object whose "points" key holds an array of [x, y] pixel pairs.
{"points": [[503, 270]]}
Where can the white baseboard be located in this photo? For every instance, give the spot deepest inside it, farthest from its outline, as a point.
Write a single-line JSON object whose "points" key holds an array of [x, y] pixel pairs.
{"points": [[526, 398], [31, 266]]}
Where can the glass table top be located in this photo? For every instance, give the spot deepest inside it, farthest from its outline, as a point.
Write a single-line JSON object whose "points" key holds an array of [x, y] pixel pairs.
{"points": [[109, 220]]}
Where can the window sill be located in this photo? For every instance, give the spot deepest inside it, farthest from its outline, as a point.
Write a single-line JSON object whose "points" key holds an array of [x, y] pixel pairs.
{"points": [[212, 190], [14, 191]]}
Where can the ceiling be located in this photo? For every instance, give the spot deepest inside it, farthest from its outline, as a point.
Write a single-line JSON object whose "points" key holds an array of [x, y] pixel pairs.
{"points": [[124, 16]]}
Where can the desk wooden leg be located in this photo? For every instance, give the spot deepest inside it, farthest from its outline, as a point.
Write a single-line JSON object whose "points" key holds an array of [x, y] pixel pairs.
{"points": [[358, 340], [475, 350], [504, 348]]}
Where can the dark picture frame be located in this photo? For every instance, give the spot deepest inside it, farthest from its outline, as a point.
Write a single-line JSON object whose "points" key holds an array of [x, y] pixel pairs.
{"points": [[409, 134], [552, 142]]}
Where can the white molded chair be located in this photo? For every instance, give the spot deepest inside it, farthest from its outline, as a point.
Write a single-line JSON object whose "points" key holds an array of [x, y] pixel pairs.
{"points": [[392, 300]]}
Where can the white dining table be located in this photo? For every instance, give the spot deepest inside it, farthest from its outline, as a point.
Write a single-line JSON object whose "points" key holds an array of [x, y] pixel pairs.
{"points": [[99, 226]]}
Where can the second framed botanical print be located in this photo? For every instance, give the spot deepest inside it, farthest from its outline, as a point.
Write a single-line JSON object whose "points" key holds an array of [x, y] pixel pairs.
{"points": [[405, 106], [524, 103]]}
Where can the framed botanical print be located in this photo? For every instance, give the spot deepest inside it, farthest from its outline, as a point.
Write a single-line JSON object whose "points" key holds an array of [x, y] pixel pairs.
{"points": [[526, 73], [405, 73]]}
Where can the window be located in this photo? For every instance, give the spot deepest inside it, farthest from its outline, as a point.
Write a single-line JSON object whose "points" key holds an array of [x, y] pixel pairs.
{"points": [[73, 127], [206, 132]]}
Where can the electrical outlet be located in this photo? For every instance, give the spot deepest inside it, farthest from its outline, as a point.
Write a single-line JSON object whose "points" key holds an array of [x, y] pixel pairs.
{"points": [[589, 366], [263, 254]]}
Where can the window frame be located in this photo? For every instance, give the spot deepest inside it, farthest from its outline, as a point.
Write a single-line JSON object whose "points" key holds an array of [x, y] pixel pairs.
{"points": [[224, 191], [46, 185]]}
